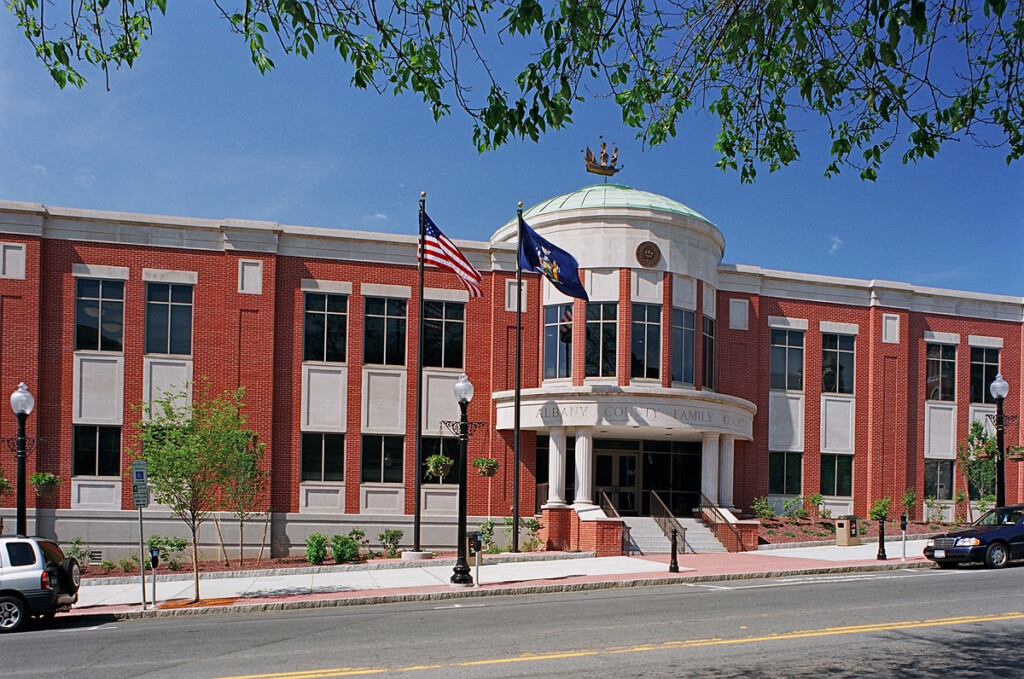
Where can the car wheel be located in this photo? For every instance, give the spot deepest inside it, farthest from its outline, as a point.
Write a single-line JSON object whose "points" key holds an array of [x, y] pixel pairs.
{"points": [[946, 564], [13, 614], [70, 575], [997, 556]]}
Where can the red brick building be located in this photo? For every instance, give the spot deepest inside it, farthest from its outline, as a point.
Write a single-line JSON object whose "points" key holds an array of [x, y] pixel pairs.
{"points": [[682, 375]]}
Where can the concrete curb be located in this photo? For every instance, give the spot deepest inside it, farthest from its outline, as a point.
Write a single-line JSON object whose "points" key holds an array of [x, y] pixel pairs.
{"points": [[473, 593]]}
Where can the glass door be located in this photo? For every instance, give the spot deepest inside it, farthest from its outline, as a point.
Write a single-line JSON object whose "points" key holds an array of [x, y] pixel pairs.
{"points": [[615, 473]]}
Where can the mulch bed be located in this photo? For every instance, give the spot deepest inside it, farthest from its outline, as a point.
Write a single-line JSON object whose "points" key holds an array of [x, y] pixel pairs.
{"points": [[788, 530]]}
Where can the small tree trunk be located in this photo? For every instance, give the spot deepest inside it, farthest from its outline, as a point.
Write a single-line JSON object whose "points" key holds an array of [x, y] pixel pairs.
{"points": [[195, 562], [220, 541], [241, 544], [263, 543]]}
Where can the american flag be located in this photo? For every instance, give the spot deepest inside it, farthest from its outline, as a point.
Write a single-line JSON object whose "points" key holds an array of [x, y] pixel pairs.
{"points": [[443, 253]]}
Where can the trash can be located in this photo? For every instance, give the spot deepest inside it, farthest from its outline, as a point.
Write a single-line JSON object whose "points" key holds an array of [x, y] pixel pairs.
{"points": [[846, 531]]}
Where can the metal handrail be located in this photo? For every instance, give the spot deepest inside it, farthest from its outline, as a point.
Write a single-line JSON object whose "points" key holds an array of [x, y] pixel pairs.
{"points": [[606, 505], [666, 520], [715, 519]]}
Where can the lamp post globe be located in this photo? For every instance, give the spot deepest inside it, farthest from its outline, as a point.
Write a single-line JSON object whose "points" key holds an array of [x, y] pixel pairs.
{"points": [[1000, 389], [463, 394], [22, 403]]}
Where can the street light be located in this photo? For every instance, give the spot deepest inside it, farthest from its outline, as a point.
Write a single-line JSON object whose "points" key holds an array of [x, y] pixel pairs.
{"points": [[463, 394], [999, 390], [22, 403]]}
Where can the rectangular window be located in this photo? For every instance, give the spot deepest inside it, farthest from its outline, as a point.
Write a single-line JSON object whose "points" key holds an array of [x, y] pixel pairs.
{"points": [[97, 451], [323, 457], [785, 473], [708, 347], [325, 327], [940, 377], [382, 459], [449, 447], [168, 318], [682, 346], [99, 314], [984, 368], [557, 341], [645, 350], [384, 331], [938, 479], [837, 475], [787, 359], [602, 338], [837, 364], [444, 332]]}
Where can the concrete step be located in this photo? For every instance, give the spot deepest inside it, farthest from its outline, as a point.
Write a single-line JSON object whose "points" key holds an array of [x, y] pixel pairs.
{"points": [[646, 537]]}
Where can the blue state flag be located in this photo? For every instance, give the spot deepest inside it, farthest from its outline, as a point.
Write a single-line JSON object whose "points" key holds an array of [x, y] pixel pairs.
{"points": [[557, 265]]}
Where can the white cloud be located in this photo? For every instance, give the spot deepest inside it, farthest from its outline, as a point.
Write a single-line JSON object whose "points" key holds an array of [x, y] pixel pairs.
{"points": [[85, 177], [40, 170], [376, 217], [835, 243]]}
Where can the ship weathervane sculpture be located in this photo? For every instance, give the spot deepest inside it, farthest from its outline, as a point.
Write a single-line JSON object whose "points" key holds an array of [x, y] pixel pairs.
{"points": [[602, 167]]}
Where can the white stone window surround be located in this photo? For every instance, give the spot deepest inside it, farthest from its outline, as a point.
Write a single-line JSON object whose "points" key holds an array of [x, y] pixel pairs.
{"points": [[330, 287], [684, 292], [983, 342], [380, 290], [710, 307], [116, 273], [322, 497], [510, 295], [890, 329], [12, 261], [602, 285], [250, 276], [739, 314], [170, 276], [833, 328], [786, 323], [931, 337], [646, 286]]}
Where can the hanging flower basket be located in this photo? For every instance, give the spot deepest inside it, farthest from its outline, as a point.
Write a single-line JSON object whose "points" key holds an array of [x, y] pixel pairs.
{"points": [[47, 490], [486, 466], [983, 454], [438, 465], [1015, 453], [45, 483]]}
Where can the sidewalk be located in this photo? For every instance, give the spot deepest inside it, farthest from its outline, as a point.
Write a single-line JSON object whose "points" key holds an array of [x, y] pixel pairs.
{"points": [[379, 582]]}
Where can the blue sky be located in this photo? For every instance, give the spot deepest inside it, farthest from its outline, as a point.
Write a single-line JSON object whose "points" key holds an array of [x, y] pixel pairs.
{"points": [[194, 130]]}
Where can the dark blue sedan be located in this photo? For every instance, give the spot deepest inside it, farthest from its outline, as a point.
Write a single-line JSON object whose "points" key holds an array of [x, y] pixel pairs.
{"points": [[994, 539]]}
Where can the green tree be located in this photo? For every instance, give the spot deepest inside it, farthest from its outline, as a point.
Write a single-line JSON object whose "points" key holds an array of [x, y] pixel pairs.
{"points": [[904, 73], [241, 473], [976, 457], [184, 444]]}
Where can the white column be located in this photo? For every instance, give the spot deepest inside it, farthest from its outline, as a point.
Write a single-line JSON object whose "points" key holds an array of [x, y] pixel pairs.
{"points": [[584, 467], [556, 467], [709, 466], [725, 469]]}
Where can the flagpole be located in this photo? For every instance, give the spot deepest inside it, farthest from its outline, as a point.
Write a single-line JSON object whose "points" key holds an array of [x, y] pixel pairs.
{"points": [[518, 390], [416, 512]]}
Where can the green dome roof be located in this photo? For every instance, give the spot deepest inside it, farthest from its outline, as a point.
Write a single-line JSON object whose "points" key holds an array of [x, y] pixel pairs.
{"points": [[603, 196]]}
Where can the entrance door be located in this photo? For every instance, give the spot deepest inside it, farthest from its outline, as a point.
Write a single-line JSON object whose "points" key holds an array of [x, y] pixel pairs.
{"points": [[615, 474]]}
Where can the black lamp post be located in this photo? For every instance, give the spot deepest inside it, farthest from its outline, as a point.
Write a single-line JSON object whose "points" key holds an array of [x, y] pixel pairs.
{"points": [[22, 403], [464, 394], [999, 390]]}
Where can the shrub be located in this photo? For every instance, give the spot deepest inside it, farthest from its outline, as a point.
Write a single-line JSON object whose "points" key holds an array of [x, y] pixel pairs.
{"points": [[80, 550], [532, 543], [128, 565], [390, 539], [107, 565], [316, 548], [344, 548], [814, 501], [762, 508], [880, 509], [793, 508], [909, 500], [486, 531], [170, 549]]}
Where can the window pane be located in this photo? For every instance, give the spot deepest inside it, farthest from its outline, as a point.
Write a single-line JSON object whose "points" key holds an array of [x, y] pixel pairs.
{"points": [[373, 340], [181, 294], [844, 475], [181, 329], [87, 324], [846, 373], [311, 457], [84, 460], [828, 474], [395, 352], [158, 292], [371, 459], [315, 301], [453, 339], [87, 287], [313, 337], [776, 473], [334, 457], [112, 326], [793, 474], [109, 451], [778, 367], [156, 329], [393, 458], [336, 335]]}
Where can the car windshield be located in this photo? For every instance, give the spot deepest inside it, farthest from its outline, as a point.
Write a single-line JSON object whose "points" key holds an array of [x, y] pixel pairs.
{"points": [[1000, 517]]}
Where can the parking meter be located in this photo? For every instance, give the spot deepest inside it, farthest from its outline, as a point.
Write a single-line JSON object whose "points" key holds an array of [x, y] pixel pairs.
{"points": [[903, 521], [154, 556]]}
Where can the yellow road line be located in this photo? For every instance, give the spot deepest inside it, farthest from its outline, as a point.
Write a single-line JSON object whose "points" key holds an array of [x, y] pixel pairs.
{"points": [[643, 648]]}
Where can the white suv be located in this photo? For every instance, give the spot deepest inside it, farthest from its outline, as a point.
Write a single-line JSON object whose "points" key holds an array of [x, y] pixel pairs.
{"points": [[36, 579]]}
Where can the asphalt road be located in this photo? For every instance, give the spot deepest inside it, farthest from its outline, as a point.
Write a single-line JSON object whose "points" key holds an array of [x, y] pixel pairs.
{"points": [[915, 623]]}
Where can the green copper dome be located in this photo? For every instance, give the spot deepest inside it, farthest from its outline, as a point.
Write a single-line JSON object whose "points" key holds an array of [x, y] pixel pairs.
{"points": [[604, 196]]}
